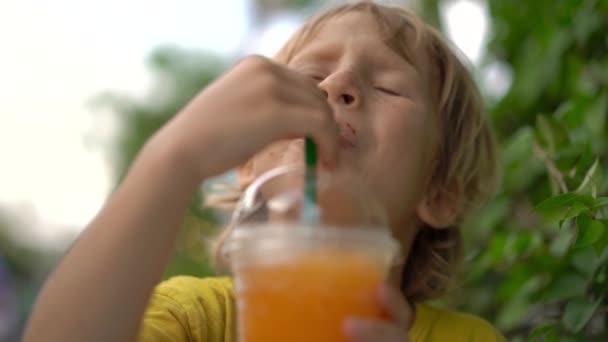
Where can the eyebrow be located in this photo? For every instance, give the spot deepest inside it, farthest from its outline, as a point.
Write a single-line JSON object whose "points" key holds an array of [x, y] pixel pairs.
{"points": [[327, 52], [318, 53], [383, 62], [392, 62]]}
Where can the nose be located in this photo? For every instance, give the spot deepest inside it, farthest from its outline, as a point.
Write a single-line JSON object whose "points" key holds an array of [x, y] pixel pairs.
{"points": [[341, 88]]}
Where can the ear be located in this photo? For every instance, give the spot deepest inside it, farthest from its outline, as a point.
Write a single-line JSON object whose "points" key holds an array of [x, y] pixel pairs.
{"points": [[245, 174], [440, 207]]}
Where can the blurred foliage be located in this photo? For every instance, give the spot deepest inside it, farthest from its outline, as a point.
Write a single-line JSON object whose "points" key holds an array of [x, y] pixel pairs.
{"points": [[537, 257], [537, 262], [179, 75]]}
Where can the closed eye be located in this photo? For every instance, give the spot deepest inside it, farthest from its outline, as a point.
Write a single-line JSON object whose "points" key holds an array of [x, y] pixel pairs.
{"points": [[388, 91]]}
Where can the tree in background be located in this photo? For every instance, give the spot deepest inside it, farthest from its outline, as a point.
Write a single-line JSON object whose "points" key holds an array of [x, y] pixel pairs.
{"points": [[537, 262], [537, 256]]}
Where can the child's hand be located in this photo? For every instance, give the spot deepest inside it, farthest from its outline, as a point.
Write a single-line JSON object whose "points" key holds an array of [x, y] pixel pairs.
{"points": [[253, 104], [395, 329]]}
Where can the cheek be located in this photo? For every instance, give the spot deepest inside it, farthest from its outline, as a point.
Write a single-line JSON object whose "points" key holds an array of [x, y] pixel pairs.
{"points": [[401, 162]]}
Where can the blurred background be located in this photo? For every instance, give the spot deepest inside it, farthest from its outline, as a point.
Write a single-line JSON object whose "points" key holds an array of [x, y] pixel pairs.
{"points": [[83, 84]]}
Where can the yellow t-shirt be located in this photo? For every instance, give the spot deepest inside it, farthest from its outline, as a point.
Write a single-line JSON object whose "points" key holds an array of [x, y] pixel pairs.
{"points": [[202, 310]]}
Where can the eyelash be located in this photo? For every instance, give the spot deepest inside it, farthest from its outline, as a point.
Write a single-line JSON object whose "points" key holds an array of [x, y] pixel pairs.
{"points": [[387, 91], [382, 89]]}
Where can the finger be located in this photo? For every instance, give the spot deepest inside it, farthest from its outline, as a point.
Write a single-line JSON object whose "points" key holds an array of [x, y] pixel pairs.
{"points": [[303, 82], [316, 123], [316, 117], [309, 97], [395, 305], [323, 130], [361, 330], [306, 95], [290, 86], [304, 91]]}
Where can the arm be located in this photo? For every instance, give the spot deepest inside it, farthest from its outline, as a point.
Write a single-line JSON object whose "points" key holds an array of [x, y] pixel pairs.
{"points": [[100, 290]]}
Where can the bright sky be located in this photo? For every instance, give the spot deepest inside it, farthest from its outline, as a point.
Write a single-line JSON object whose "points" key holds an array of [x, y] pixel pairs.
{"points": [[56, 55]]}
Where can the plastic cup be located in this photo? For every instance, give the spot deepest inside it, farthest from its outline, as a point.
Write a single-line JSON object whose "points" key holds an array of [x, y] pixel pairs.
{"points": [[299, 283]]}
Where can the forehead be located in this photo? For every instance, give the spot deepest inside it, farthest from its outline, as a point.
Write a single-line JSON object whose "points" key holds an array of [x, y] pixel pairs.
{"points": [[383, 38], [352, 22]]}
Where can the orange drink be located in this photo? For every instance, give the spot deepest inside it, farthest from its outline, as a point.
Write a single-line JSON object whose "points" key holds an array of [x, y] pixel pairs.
{"points": [[297, 283]]}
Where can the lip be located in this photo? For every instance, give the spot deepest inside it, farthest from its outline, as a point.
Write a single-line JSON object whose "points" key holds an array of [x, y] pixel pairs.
{"points": [[344, 142], [347, 136]]}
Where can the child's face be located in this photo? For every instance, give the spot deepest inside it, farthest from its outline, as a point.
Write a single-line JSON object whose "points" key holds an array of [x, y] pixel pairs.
{"points": [[387, 134]]}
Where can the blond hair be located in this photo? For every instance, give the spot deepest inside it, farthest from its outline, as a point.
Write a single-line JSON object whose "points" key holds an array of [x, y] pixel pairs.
{"points": [[465, 161]]}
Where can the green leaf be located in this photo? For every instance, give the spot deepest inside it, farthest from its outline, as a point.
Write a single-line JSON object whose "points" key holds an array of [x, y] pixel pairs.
{"points": [[586, 22], [557, 207], [541, 331], [551, 337], [496, 248], [592, 180], [585, 260], [562, 201], [520, 170], [562, 243], [569, 158], [565, 112], [566, 285], [518, 145], [600, 245], [601, 275], [512, 313], [544, 133], [585, 160], [589, 231], [519, 243], [550, 133], [576, 209], [572, 113], [578, 312], [595, 117], [600, 202]]}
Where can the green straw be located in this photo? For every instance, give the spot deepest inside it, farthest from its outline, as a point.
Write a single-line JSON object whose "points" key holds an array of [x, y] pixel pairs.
{"points": [[309, 210]]}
